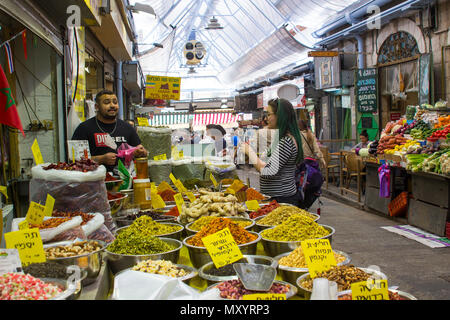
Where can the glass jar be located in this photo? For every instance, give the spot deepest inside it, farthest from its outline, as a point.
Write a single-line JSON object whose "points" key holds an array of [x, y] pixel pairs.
{"points": [[142, 193], [141, 168]]}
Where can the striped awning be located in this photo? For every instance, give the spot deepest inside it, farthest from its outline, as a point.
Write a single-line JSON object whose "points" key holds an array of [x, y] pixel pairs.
{"points": [[216, 118]]}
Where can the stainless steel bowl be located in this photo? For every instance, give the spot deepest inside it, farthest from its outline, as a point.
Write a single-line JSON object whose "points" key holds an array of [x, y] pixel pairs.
{"points": [[260, 227], [254, 259], [116, 204], [291, 275], [118, 262], [191, 231], [306, 293], [402, 294], [113, 186], [274, 248], [125, 222], [292, 289], [173, 235], [199, 255], [192, 272], [91, 262]]}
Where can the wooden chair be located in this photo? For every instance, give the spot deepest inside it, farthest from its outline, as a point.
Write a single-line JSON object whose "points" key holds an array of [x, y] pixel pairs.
{"points": [[329, 166], [352, 167]]}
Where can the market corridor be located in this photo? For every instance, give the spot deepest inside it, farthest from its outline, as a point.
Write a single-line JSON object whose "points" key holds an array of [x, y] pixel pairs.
{"points": [[413, 267]]}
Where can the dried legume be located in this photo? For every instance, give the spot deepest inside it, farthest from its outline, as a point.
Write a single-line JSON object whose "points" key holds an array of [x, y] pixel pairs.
{"points": [[281, 214], [296, 259], [147, 226], [166, 268], [204, 221]]}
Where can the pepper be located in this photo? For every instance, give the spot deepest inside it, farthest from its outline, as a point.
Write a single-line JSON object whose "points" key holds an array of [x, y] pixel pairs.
{"points": [[167, 195]]}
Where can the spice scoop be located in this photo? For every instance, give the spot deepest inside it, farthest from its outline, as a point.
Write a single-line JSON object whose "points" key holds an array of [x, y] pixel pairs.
{"points": [[256, 277]]}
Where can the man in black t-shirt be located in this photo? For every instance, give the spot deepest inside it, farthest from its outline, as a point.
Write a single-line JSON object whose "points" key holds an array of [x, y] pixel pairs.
{"points": [[106, 133]]}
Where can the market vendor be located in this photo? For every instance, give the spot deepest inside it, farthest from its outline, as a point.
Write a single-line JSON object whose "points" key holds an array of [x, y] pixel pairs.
{"points": [[106, 133], [364, 138], [277, 175], [217, 133]]}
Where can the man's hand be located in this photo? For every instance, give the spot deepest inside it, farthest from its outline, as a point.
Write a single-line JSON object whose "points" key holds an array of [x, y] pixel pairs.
{"points": [[140, 152], [109, 158]]}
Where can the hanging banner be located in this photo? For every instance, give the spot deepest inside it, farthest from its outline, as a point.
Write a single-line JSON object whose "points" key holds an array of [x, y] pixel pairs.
{"points": [[424, 78], [161, 87], [77, 43], [366, 90]]}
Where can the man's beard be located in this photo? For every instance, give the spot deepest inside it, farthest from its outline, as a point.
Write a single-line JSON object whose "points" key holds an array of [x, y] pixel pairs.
{"points": [[105, 115]]}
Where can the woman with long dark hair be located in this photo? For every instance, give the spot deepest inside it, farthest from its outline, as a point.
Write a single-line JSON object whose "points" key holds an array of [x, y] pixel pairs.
{"points": [[277, 177]]}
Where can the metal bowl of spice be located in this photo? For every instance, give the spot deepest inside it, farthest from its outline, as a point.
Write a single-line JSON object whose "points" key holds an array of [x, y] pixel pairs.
{"points": [[125, 253], [199, 255], [274, 220], [344, 276], [160, 232], [85, 254], [394, 294], [126, 220], [212, 275], [195, 226], [292, 265], [274, 247]]}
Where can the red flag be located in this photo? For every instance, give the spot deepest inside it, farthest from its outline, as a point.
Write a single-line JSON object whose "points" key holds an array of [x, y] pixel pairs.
{"points": [[24, 42], [8, 110]]}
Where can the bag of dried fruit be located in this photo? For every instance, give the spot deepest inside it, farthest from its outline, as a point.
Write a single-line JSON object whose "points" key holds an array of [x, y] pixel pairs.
{"points": [[76, 186]]}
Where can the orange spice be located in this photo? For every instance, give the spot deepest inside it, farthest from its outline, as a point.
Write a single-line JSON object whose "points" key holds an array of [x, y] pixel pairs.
{"points": [[252, 194], [240, 235]]}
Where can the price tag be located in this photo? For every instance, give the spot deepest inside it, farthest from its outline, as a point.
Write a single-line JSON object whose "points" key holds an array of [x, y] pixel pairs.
{"points": [[211, 176], [10, 261], [4, 190], [370, 290], [37, 152], [164, 186], [23, 225], [160, 157], [36, 213], [191, 196], [252, 205], [318, 255], [180, 186], [236, 185], [181, 154], [157, 201], [222, 248], [153, 187], [264, 296], [230, 191], [142, 122], [29, 244], [179, 201], [49, 204]]}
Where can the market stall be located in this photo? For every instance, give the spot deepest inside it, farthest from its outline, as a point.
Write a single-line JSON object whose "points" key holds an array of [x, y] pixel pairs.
{"points": [[408, 168]]}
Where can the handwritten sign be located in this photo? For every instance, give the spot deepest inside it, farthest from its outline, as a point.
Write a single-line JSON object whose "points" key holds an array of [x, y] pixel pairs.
{"points": [[318, 255], [4, 190], [264, 296], [157, 201], [142, 122], [222, 248], [179, 201], [23, 225], [252, 205], [236, 185], [29, 244], [211, 176], [164, 186], [191, 196], [160, 157], [37, 152], [370, 290], [49, 204], [366, 90], [35, 214]]}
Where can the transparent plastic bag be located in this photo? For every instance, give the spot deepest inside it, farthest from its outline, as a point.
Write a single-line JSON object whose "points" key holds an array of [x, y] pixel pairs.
{"points": [[71, 234], [102, 234], [73, 191], [182, 169], [156, 141], [159, 171]]}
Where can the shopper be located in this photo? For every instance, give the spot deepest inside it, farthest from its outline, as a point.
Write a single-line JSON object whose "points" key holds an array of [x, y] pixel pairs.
{"points": [[105, 133], [311, 148], [217, 133], [277, 177]]}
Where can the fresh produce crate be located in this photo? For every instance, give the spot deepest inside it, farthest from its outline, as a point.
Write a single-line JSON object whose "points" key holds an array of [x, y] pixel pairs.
{"points": [[428, 217], [431, 188], [373, 201], [399, 206]]}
